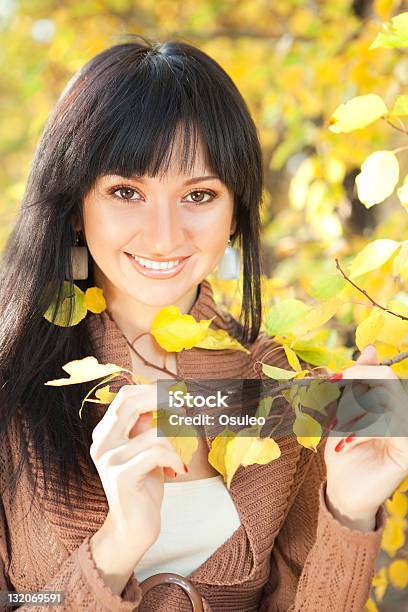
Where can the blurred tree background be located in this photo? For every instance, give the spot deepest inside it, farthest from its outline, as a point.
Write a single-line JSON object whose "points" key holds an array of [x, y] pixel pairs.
{"points": [[295, 62]]}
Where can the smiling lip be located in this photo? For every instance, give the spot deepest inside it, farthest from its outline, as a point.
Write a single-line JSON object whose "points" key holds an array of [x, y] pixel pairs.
{"points": [[150, 273], [160, 260]]}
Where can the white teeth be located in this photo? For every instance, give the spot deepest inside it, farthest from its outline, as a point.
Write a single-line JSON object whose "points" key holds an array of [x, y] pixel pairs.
{"points": [[156, 265]]}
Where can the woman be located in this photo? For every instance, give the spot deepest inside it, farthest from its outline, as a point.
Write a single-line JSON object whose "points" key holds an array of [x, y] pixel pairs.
{"points": [[152, 156]]}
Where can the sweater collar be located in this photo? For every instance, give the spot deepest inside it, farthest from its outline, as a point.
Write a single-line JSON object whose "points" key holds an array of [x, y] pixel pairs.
{"points": [[110, 346]]}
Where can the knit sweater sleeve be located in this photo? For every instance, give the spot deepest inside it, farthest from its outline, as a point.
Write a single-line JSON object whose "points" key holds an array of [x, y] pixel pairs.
{"points": [[317, 564], [78, 579]]}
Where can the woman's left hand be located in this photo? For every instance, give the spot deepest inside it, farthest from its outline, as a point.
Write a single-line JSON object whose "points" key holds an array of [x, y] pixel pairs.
{"points": [[364, 470]]}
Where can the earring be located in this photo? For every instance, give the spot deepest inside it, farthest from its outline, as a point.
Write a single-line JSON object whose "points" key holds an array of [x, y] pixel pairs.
{"points": [[79, 260], [230, 264]]}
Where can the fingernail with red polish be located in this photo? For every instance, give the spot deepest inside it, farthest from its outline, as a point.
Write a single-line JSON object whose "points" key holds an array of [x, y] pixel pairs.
{"points": [[335, 377], [351, 437], [185, 467], [339, 446]]}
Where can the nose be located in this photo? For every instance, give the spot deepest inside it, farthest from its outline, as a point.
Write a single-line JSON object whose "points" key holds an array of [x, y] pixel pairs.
{"points": [[163, 232]]}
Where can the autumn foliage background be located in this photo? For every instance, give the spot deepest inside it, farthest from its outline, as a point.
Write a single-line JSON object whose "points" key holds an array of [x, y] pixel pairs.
{"points": [[295, 62]]}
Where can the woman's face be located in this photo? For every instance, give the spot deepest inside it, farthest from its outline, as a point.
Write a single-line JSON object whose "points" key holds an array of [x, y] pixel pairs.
{"points": [[166, 218]]}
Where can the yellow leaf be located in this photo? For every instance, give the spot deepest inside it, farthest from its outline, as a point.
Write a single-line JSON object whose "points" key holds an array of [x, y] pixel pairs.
{"points": [[373, 256], [400, 106], [300, 184], [370, 606], [357, 113], [182, 437], [400, 261], [398, 572], [105, 395], [185, 446], [79, 310], [380, 583], [292, 358], [262, 450], [216, 456], [94, 300], [316, 317], [307, 430], [335, 170], [367, 331], [246, 450], [397, 505], [394, 330], [84, 370], [219, 339], [175, 331], [393, 535], [378, 177]]}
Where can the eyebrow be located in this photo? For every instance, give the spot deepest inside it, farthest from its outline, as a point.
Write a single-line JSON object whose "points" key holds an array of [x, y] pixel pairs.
{"points": [[188, 182]]}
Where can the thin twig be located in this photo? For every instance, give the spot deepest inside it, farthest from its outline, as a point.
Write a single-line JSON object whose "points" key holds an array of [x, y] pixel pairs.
{"points": [[145, 361], [374, 303], [404, 131]]}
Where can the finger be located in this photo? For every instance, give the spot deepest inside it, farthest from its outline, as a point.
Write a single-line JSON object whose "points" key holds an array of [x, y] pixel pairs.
{"points": [[122, 414], [383, 397], [349, 407], [141, 442], [368, 356], [364, 371], [367, 426], [149, 459], [338, 444]]}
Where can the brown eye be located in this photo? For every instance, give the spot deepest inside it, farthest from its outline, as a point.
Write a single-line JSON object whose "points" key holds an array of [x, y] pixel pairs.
{"points": [[198, 194], [126, 193]]}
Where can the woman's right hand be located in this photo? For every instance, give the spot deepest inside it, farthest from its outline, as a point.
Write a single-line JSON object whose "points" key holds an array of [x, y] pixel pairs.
{"points": [[131, 467]]}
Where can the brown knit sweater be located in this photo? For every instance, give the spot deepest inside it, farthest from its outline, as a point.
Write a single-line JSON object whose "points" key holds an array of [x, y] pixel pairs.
{"points": [[289, 553]]}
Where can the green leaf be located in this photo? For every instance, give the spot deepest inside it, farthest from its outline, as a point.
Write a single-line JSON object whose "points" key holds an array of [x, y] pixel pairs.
{"points": [[278, 373], [79, 309], [327, 286], [318, 395], [281, 317], [400, 106], [395, 34]]}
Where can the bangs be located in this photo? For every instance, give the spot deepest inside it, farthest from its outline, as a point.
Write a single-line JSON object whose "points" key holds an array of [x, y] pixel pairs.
{"points": [[141, 114], [149, 142]]}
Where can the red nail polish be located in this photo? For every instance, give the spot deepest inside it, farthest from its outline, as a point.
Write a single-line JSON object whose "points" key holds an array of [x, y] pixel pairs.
{"points": [[351, 437], [339, 446], [175, 474], [335, 377], [185, 467]]}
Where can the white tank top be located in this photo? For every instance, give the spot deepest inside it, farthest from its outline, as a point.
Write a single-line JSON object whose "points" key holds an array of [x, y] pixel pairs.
{"points": [[197, 516]]}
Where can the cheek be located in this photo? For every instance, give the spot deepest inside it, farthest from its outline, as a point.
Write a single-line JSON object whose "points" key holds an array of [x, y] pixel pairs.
{"points": [[106, 230], [212, 231]]}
